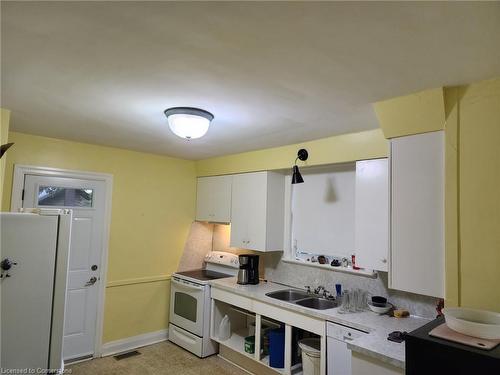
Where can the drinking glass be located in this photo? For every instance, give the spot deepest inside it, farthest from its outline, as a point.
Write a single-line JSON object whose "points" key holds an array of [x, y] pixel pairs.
{"points": [[352, 300], [344, 307], [361, 300]]}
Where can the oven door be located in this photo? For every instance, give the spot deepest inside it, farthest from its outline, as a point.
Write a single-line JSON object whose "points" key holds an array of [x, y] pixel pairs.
{"points": [[186, 305]]}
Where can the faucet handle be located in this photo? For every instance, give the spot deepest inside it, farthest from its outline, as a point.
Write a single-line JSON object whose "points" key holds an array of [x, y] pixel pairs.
{"points": [[318, 289], [308, 288]]}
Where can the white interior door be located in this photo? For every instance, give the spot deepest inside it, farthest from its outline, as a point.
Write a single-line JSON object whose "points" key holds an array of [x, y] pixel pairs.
{"points": [[86, 199]]}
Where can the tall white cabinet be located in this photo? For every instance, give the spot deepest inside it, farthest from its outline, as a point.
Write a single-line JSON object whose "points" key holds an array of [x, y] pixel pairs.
{"points": [[213, 199], [417, 214], [372, 214], [257, 211]]}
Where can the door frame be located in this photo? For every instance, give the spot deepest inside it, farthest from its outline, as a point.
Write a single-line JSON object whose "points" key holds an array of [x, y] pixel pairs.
{"points": [[16, 203]]}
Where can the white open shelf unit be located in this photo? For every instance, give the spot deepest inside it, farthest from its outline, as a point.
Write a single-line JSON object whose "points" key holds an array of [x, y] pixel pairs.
{"points": [[243, 312]]}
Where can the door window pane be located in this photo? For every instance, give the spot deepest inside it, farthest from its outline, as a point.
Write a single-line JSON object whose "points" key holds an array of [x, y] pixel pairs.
{"points": [[64, 197], [185, 306]]}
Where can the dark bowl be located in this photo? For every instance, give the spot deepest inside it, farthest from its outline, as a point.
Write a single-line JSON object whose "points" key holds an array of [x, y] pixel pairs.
{"points": [[379, 301]]}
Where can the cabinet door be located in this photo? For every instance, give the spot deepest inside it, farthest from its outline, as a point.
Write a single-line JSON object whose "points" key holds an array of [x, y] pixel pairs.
{"points": [[417, 214], [221, 198], [372, 214], [203, 199], [248, 211], [213, 199]]}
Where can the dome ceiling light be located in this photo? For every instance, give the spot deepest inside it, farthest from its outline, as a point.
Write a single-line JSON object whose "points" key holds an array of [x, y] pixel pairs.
{"points": [[188, 122]]}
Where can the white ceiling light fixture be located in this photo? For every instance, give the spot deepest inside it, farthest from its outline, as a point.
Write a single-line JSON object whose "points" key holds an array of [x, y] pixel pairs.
{"points": [[188, 122]]}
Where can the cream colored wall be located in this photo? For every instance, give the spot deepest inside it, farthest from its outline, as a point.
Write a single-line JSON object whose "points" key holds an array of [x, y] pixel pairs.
{"points": [[416, 113], [152, 209], [348, 147], [4, 137]]}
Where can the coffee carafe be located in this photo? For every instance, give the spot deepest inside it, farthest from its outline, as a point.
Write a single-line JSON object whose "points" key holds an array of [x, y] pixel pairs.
{"points": [[249, 269]]}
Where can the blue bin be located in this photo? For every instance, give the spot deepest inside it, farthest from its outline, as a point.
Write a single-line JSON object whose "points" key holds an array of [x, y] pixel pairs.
{"points": [[277, 348]]}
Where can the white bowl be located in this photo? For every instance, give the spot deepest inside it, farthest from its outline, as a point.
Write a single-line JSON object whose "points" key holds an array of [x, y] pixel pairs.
{"points": [[380, 310], [475, 323]]}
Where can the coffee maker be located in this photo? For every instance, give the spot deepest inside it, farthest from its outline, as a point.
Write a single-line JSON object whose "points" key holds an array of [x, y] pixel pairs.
{"points": [[249, 269]]}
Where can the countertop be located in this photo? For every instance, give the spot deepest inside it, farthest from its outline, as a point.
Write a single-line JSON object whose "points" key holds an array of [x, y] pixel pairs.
{"points": [[374, 344]]}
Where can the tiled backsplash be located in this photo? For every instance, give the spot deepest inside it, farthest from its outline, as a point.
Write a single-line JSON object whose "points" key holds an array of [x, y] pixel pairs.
{"points": [[298, 276], [204, 237]]}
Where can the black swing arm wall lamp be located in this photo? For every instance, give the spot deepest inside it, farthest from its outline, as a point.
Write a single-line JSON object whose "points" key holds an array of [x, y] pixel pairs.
{"points": [[302, 155]]}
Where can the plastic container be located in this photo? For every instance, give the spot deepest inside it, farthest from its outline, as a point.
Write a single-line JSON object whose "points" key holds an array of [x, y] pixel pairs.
{"points": [[225, 328], [277, 348], [471, 322], [311, 356], [250, 344]]}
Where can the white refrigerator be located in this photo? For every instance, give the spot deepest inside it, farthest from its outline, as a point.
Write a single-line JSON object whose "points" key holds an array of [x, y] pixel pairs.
{"points": [[34, 253]]}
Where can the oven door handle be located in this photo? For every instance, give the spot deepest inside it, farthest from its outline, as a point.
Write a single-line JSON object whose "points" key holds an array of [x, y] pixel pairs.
{"points": [[187, 286]]}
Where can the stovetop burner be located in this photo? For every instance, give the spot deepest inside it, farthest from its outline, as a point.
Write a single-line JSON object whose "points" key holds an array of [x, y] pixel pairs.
{"points": [[203, 275]]}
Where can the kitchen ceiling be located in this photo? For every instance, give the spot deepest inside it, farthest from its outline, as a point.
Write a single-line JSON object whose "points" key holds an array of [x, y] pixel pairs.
{"points": [[272, 73]]}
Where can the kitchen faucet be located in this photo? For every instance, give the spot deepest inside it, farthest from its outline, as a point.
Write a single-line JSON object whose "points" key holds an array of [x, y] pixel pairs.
{"points": [[318, 289]]}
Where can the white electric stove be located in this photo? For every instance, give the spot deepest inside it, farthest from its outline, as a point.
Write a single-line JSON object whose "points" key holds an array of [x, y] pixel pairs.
{"points": [[190, 303]]}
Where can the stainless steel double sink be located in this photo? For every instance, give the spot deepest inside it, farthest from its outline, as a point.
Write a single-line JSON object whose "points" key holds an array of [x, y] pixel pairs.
{"points": [[301, 298]]}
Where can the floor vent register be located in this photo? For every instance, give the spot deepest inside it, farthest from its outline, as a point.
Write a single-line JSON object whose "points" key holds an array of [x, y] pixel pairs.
{"points": [[121, 356]]}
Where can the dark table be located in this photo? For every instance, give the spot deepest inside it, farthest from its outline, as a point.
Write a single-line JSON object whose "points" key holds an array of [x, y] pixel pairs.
{"points": [[426, 355]]}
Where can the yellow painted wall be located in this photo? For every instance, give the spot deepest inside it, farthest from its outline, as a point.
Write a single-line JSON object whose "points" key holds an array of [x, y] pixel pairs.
{"points": [[479, 194], [136, 309], [412, 114], [470, 116], [343, 148], [152, 209], [4, 137], [452, 259]]}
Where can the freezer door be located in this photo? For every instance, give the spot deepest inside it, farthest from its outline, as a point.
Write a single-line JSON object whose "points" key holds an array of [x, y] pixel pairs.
{"points": [[29, 241]]}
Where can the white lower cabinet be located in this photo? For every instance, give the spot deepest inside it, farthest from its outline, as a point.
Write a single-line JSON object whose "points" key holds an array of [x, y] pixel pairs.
{"points": [[249, 317], [338, 354], [364, 365]]}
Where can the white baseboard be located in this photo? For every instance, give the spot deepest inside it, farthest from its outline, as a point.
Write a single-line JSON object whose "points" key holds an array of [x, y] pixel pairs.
{"points": [[134, 342]]}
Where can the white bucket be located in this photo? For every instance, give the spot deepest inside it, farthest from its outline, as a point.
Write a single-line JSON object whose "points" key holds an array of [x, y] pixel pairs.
{"points": [[311, 356]]}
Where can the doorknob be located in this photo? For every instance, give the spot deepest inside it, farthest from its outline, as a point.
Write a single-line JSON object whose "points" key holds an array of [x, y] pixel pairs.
{"points": [[5, 266], [92, 281]]}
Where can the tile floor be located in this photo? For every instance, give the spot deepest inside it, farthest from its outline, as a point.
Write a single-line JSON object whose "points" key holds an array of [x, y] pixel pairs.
{"points": [[162, 358]]}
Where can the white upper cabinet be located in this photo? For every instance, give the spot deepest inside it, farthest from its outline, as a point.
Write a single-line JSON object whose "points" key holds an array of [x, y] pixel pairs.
{"points": [[417, 214], [257, 211], [213, 199], [372, 214]]}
